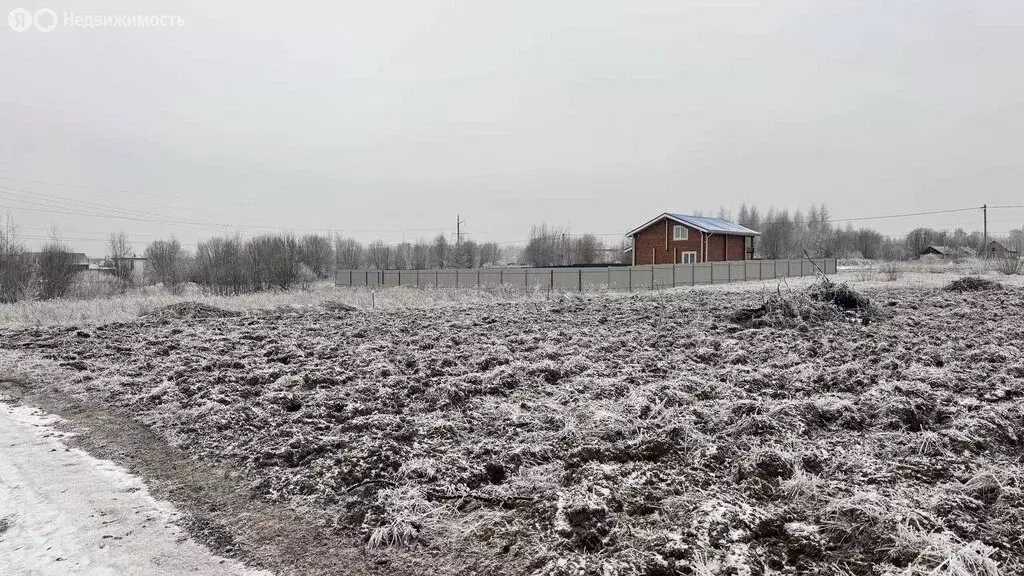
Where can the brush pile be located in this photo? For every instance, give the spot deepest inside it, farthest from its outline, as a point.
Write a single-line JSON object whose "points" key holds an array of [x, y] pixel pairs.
{"points": [[191, 310], [973, 284], [824, 301]]}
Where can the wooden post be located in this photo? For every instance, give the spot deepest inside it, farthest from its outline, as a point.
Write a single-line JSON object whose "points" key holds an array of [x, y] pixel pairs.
{"points": [[580, 270]]}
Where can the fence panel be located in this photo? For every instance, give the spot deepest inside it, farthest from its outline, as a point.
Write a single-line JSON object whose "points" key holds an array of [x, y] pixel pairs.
{"points": [[589, 278], [641, 278], [737, 271], [491, 277], [538, 278], [702, 274], [720, 271], [752, 271], [595, 278], [619, 279], [684, 274], [663, 276], [514, 277]]}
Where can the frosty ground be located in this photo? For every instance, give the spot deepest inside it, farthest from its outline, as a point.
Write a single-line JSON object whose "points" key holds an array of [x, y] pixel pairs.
{"points": [[595, 434]]}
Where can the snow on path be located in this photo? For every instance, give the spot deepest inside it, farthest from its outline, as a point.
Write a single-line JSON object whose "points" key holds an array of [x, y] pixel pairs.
{"points": [[64, 512]]}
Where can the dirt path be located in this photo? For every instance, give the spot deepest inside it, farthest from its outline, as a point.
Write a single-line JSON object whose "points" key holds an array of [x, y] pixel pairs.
{"points": [[64, 512]]}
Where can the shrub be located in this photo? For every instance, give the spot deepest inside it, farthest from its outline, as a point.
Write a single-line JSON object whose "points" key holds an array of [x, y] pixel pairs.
{"points": [[55, 271], [891, 271], [1010, 265]]}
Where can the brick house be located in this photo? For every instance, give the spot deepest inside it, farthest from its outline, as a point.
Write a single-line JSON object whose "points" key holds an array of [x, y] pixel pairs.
{"points": [[683, 239]]}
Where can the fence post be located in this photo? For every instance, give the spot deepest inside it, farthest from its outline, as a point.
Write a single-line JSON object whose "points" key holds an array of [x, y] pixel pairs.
{"points": [[673, 274], [501, 277], [551, 286], [609, 277], [630, 270], [477, 278], [417, 278], [712, 273], [456, 278], [652, 274], [580, 271]]}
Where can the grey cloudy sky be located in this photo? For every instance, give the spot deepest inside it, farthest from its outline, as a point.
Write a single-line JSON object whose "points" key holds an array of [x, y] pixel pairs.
{"points": [[386, 118]]}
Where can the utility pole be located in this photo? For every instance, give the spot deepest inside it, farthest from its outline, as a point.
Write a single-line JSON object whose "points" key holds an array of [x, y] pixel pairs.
{"points": [[458, 229], [984, 245]]}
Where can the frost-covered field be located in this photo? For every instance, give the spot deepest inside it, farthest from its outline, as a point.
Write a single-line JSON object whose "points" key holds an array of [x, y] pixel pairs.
{"points": [[602, 434]]}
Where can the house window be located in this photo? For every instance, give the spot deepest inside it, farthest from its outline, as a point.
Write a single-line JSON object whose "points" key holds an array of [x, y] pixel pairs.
{"points": [[680, 232], [688, 258]]}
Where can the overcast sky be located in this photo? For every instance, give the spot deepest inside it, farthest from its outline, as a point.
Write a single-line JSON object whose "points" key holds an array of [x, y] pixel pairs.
{"points": [[386, 119]]}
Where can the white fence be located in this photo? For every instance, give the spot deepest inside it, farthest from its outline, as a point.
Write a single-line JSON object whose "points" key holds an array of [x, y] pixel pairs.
{"points": [[589, 278]]}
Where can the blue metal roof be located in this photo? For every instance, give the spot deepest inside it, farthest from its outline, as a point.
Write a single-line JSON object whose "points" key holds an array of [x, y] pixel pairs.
{"points": [[702, 223], [715, 225]]}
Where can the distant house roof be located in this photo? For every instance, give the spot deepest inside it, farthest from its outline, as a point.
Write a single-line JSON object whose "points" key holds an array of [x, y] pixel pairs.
{"points": [[1001, 245], [702, 223], [948, 251], [78, 257]]}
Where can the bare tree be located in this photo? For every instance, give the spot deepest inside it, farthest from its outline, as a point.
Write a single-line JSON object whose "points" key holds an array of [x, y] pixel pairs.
{"points": [[119, 252], [349, 253], [420, 255], [378, 255], [274, 261], [439, 252], [546, 247], [587, 249], [402, 256], [165, 264], [777, 235], [490, 254], [317, 255], [15, 265], [221, 266], [55, 270], [465, 255]]}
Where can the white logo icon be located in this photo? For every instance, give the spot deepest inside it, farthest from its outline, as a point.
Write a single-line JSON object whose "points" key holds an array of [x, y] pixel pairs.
{"points": [[20, 19], [46, 20]]}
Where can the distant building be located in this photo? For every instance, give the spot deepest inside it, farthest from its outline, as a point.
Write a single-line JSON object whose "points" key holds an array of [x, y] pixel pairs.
{"points": [[78, 259], [136, 264], [684, 239], [997, 249], [948, 252]]}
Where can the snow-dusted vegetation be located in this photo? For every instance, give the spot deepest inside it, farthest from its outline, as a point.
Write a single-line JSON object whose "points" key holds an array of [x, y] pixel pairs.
{"points": [[652, 434]]}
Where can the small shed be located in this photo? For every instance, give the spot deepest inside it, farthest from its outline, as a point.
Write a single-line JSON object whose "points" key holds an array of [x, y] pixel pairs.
{"points": [[997, 249]]}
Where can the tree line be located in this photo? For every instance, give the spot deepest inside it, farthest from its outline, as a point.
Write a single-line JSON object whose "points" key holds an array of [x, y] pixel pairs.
{"points": [[234, 265]]}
